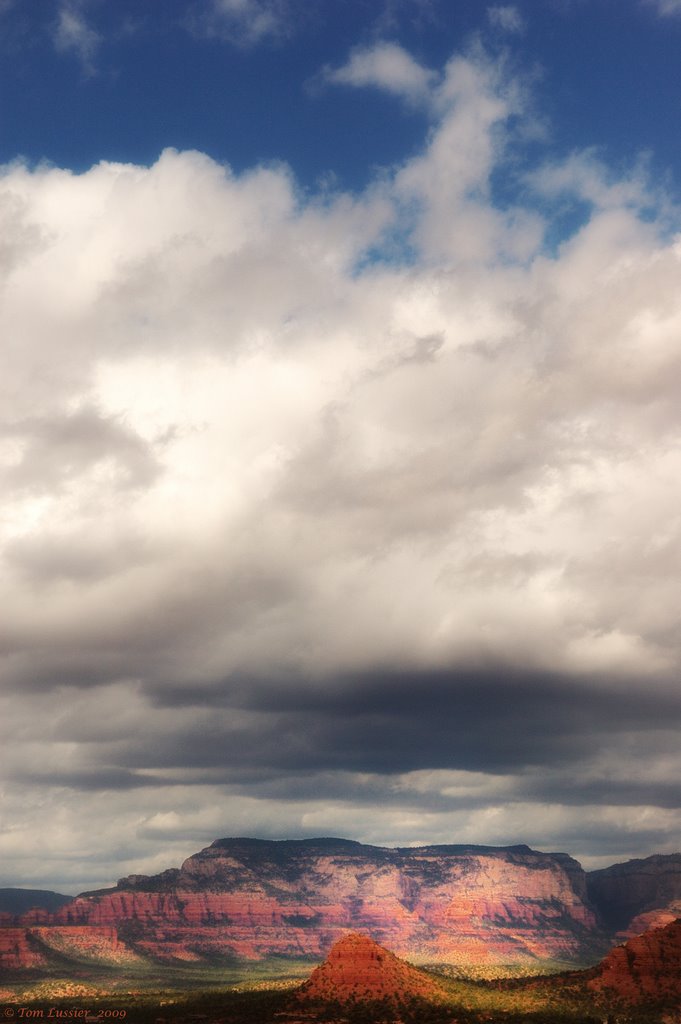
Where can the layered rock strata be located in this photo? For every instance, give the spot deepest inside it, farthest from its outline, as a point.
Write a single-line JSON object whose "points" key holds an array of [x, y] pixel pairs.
{"points": [[253, 899]]}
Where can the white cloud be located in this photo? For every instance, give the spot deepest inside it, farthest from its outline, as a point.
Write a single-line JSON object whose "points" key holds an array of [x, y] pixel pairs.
{"points": [[243, 22], [386, 66], [450, 181], [188, 308], [73, 34], [585, 176], [667, 7], [236, 446], [506, 17]]}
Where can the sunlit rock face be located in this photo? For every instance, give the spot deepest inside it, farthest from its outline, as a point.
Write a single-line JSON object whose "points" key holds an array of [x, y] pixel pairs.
{"points": [[357, 968], [637, 895], [33, 948], [252, 899], [486, 908], [16, 950], [646, 969]]}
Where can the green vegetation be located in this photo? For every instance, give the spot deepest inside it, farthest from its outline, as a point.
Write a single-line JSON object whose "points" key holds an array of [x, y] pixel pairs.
{"points": [[263, 993], [155, 982], [467, 1004]]}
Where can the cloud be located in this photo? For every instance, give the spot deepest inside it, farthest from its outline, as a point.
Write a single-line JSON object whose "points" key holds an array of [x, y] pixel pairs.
{"points": [[667, 7], [73, 34], [506, 17], [58, 448], [338, 513], [242, 22], [386, 66], [449, 183], [585, 176]]}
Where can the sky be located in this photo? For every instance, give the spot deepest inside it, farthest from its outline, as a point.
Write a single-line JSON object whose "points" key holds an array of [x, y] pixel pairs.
{"points": [[340, 434]]}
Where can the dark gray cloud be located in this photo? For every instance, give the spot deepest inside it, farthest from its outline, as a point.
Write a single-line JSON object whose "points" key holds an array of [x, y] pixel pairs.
{"points": [[396, 721], [90, 779], [552, 738]]}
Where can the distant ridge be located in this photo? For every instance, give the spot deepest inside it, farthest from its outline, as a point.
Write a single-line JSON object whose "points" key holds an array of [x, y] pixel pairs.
{"points": [[19, 901], [638, 894], [331, 842]]}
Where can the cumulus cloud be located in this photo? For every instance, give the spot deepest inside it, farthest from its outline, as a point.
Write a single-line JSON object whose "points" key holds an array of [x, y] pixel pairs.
{"points": [[305, 532], [386, 66]]}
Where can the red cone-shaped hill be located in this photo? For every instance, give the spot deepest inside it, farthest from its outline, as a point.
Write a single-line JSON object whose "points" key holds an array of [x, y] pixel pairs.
{"points": [[358, 969]]}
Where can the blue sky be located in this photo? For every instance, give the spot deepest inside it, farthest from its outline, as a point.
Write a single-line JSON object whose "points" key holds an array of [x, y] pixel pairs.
{"points": [[339, 444], [93, 81]]}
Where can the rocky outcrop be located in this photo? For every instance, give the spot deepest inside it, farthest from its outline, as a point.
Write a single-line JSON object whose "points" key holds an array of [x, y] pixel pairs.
{"points": [[35, 948], [253, 899], [87, 944], [358, 969], [18, 950], [645, 970], [637, 895]]}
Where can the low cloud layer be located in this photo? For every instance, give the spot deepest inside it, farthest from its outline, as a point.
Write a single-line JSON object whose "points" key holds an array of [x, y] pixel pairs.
{"points": [[351, 514]]}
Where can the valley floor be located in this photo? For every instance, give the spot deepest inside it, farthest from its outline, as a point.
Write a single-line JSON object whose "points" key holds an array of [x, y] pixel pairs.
{"points": [[266, 995]]}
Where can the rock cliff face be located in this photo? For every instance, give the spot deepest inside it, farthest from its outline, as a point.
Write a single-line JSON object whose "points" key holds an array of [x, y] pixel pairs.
{"points": [[647, 969], [252, 899], [246, 899], [17, 951], [358, 969], [33, 948], [637, 895]]}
